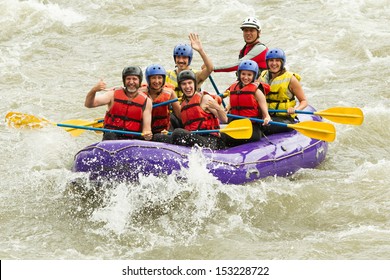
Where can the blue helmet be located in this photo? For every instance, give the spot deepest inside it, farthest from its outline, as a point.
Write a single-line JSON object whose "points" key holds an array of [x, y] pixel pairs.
{"points": [[276, 53], [155, 69], [183, 50], [248, 65], [132, 71]]}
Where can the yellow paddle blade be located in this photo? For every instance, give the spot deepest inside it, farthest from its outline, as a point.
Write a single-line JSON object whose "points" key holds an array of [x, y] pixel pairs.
{"points": [[73, 131], [76, 131], [21, 120], [93, 123], [316, 130], [344, 115], [98, 123], [239, 129]]}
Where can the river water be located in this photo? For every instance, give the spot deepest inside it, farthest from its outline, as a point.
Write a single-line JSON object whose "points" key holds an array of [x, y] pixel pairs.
{"points": [[53, 52]]}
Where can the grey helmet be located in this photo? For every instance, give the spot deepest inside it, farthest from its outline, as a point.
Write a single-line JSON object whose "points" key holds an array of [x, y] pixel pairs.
{"points": [[186, 75], [132, 71]]}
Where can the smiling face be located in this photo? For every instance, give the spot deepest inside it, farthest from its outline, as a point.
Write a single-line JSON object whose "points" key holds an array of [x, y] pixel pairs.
{"points": [[156, 82], [274, 65], [250, 34], [132, 83], [181, 62], [188, 87], [246, 77]]}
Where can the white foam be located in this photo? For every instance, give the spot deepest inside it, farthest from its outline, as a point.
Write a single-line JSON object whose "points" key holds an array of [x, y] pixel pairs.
{"points": [[67, 16]]}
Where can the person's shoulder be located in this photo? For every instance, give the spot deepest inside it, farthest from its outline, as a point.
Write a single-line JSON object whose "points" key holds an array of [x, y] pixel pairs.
{"points": [[172, 71], [206, 96], [115, 90], [143, 88], [260, 46], [292, 74], [142, 93], [169, 87], [296, 76], [214, 97], [261, 43]]}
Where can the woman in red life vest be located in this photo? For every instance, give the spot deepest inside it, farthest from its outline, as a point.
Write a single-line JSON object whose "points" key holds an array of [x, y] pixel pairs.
{"points": [[160, 92], [199, 111], [128, 109], [248, 101]]}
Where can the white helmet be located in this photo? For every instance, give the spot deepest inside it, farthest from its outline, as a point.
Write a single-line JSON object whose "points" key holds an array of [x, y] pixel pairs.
{"points": [[251, 22]]}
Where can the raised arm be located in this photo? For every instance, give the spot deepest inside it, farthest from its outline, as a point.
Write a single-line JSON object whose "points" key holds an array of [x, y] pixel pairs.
{"points": [[202, 75], [257, 53], [91, 100]]}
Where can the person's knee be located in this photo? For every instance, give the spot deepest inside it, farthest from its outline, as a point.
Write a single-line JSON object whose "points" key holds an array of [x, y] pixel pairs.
{"points": [[175, 122], [179, 136], [110, 136]]}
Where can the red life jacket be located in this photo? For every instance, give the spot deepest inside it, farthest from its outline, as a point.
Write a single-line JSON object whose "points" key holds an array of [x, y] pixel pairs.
{"points": [[195, 118], [259, 59], [243, 101], [265, 88], [126, 114], [160, 114]]}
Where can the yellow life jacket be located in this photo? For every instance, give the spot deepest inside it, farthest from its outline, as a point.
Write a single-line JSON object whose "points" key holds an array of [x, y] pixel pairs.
{"points": [[171, 78], [280, 97]]}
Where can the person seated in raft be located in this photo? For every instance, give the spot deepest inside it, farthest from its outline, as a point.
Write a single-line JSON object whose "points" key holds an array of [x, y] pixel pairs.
{"points": [[160, 92], [285, 88], [128, 109], [182, 56], [199, 111], [247, 100]]}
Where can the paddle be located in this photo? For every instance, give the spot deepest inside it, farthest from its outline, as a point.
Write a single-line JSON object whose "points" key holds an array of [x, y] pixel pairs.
{"points": [[344, 115], [316, 130], [97, 121], [165, 102], [238, 129], [20, 120], [76, 132], [216, 90], [99, 129], [241, 129]]}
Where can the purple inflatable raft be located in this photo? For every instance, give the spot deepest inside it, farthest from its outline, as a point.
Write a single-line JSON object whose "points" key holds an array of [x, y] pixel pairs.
{"points": [[276, 155]]}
